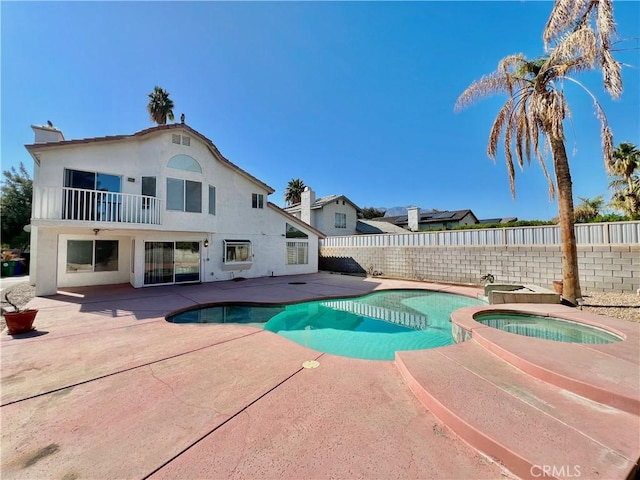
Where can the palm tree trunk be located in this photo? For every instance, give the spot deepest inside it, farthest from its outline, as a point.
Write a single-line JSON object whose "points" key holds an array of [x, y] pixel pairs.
{"points": [[570, 277]]}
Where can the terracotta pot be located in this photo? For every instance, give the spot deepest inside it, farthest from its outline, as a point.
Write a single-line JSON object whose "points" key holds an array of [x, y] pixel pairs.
{"points": [[20, 322], [557, 286]]}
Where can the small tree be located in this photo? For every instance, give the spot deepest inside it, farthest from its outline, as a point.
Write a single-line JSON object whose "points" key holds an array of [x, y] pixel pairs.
{"points": [[372, 212], [588, 209], [160, 106], [15, 206]]}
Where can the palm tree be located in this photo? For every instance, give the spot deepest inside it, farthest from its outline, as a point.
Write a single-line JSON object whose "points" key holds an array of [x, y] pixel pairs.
{"points": [[626, 160], [536, 106], [625, 185], [293, 193], [588, 208], [160, 106]]}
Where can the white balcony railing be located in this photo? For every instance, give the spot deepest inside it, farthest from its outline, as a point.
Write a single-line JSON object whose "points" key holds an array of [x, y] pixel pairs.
{"points": [[64, 203]]}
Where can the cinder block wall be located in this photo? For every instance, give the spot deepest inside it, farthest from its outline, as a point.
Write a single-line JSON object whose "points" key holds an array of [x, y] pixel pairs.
{"points": [[603, 268]]}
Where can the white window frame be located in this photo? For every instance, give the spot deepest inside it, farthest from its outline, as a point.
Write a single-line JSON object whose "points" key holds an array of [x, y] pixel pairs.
{"points": [[212, 200], [257, 200], [93, 257], [341, 220], [297, 253], [245, 257], [184, 195]]}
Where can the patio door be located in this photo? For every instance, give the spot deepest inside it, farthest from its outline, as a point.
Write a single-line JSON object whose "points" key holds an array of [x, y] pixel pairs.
{"points": [[91, 196], [171, 262]]}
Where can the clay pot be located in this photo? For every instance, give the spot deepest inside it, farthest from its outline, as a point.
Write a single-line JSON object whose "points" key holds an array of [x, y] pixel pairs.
{"points": [[20, 322], [557, 286]]}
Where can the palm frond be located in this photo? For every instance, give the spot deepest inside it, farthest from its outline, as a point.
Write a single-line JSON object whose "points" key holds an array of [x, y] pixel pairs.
{"points": [[486, 86], [497, 127], [561, 19]]}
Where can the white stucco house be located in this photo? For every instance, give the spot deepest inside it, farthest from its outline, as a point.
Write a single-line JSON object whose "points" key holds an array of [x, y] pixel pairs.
{"points": [[160, 206], [333, 215]]}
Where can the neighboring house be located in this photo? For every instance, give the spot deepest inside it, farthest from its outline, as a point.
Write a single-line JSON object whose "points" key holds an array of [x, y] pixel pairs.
{"points": [[333, 215], [160, 206], [369, 227], [415, 220]]}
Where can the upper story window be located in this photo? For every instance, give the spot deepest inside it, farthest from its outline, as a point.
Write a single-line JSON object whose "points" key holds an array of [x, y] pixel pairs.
{"points": [[184, 162], [212, 200], [341, 220], [148, 189], [257, 200], [184, 195]]}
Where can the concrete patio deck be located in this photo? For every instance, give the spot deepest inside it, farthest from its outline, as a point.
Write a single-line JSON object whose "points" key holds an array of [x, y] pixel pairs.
{"points": [[106, 388]]}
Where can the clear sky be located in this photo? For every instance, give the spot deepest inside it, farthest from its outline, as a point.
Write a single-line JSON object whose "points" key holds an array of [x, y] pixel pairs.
{"points": [[354, 98]]}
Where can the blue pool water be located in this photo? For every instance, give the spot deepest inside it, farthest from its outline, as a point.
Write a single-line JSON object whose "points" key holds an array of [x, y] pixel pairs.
{"points": [[548, 328], [371, 327]]}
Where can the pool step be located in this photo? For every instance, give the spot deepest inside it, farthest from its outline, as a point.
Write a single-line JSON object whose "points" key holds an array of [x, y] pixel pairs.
{"points": [[605, 373], [523, 422]]}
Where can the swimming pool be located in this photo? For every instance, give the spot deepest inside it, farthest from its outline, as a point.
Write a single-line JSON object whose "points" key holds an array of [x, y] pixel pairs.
{"points": [[372, 327], [548, 328]]}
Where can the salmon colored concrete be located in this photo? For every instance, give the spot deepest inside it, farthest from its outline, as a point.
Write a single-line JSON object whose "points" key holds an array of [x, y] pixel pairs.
{"points": [[106, 388]]}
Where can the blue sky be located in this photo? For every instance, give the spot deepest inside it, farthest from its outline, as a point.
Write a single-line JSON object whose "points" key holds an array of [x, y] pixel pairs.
{"points": [[354, 98]]}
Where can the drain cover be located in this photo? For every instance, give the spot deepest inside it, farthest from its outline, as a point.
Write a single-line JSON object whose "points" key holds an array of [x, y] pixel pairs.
{"points": [[310, 364], [297, 283]]}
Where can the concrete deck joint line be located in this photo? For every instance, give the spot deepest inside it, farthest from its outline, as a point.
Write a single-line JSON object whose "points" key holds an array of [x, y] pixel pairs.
{"points": [[231, 417], [48, 392]]}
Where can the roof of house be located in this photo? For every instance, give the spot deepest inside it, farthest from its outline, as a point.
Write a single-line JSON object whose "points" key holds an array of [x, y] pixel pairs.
{"points": [[33, 148], [375, 226], [430, 217], [321, 202]]}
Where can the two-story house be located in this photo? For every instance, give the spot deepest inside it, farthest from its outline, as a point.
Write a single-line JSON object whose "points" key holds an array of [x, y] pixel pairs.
{"points": [[333, 215], [160, 206]]}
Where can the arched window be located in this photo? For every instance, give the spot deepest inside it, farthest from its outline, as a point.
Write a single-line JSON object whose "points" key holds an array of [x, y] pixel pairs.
{"points": [[184, 162]]}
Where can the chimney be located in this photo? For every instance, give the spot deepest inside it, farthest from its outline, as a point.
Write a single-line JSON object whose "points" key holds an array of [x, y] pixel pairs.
{"points": [[307, 199], [413, 218], [47, 133]]}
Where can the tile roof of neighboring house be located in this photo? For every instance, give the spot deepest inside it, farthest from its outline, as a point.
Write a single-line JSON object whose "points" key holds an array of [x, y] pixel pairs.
{"points": [[430, 217], [321, 202], [296, 220], [33, 148], [375, 226]]}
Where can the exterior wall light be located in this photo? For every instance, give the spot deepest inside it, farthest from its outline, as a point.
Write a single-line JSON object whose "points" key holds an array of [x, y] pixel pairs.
{"points": [[206, 242]]}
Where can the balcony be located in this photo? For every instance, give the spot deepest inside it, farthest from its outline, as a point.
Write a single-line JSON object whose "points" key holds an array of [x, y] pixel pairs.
{"points": [[77, 204]]}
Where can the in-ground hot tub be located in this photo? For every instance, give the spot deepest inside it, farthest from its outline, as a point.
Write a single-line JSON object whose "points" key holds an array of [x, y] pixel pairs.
{"points": [[549, 328]]}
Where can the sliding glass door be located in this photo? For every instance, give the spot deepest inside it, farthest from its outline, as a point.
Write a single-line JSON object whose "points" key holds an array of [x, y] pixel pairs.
{"points": [[171, 262], [91, 196]]}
